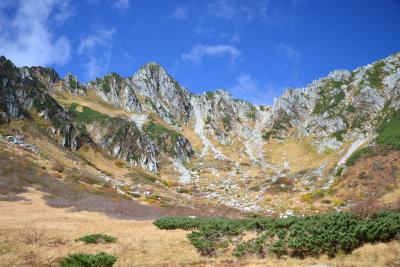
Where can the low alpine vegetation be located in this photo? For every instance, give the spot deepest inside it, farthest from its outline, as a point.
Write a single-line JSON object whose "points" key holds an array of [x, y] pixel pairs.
{"points": [[97, 238], [101, 259], [388, 138], [158, 132], [87, 115], [294, 236], [360, 153], [389, 132]]}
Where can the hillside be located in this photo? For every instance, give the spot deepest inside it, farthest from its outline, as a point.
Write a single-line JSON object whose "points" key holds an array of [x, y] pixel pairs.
{"points": [[144, 147]]}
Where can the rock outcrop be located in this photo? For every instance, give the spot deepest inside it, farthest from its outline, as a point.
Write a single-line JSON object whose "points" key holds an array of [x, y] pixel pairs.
{"points": [[21, 92], [344, 106]]}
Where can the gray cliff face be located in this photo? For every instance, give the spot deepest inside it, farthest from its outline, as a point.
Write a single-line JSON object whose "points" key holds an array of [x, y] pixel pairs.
{"points": [[162, 93], [222, 115], [116, 91], [21, 91], [343, 103], [72, 85], [25, 89], [151, 89], [123, 140]]}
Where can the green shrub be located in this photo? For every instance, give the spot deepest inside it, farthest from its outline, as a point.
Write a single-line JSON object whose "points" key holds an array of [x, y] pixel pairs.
{"points": [[360, 153], [375, 74], [227, 123], [101, 259], [338, 135], [73, 84], [209, 95], [339, 171], [389, 131], [158, 132], [97, 238], [266, 135], [184, 191], [252, 113], [327, 100], [87, 115], [297, 236]]}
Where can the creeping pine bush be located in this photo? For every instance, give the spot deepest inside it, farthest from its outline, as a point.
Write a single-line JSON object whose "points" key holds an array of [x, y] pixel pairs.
{"points": [[101, 259], [389, 131], [97, 238], [388, 138], [360, 153], [294, 236]]}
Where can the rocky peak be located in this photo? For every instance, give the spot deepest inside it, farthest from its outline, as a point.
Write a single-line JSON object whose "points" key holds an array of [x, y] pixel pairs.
{"points": [[342, 102], [23, 90], [116, 91], [72, 84], [163, 94]]}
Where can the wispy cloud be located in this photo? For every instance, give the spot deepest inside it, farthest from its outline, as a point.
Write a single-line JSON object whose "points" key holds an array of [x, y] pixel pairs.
{"points": [[198, 52], [288, 51], [223, 9], [243, 12], [27, 37], [96, 49], [180, 13], [122, 4], [248, 88]]}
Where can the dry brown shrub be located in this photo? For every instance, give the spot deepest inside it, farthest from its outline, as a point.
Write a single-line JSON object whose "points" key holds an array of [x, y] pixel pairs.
{"points": [[58, 167], [31, 233], [366, 208]]}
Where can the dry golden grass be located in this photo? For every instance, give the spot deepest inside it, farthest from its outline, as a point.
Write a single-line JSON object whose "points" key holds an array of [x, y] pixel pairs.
{"points": [[298, 152], [379, 174], [188, 133], [92, 101], [33, 234], [117, 168]]}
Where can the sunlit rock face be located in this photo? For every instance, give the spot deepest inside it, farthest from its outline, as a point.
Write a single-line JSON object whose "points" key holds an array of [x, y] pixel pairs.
{"points": [[159, 113]]}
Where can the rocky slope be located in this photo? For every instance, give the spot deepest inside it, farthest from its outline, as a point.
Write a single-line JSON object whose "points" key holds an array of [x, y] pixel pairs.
{"points": [[228, 150]]}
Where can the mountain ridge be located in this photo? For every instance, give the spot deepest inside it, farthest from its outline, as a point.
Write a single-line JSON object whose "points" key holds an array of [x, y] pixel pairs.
{"points": [[212, 140]]}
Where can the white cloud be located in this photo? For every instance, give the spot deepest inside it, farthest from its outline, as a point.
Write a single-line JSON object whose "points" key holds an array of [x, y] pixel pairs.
{"points": [[240, 13], [246, 87], [27, 38], [289, 52], [223, 9], [122, 4], [96, 49], [180, 13], [198, 52]]}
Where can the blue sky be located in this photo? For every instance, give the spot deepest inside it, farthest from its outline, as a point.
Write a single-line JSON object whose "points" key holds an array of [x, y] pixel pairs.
{"points": [[254, 49]]}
